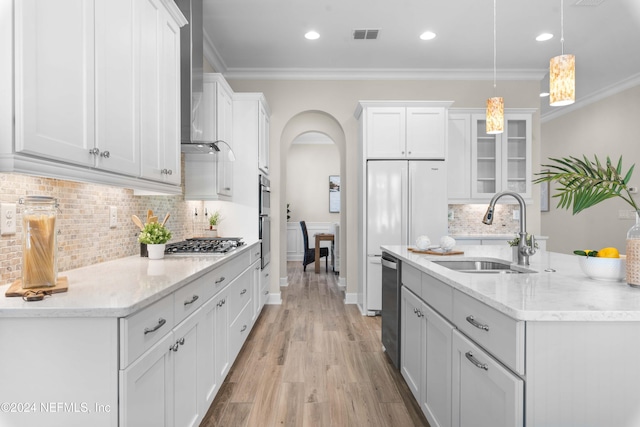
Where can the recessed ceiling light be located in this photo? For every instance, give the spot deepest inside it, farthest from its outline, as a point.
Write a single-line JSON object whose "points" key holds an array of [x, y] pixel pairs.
{"points": [[544, 37], [544, 94], [312, 35], [427, 35]]}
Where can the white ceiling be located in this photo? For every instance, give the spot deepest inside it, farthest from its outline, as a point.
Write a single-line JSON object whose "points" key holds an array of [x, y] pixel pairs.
{"points": [[263, 39]]}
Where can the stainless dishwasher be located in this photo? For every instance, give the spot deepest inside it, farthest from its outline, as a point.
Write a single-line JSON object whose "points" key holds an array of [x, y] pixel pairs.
{"points": [[391, 307]]}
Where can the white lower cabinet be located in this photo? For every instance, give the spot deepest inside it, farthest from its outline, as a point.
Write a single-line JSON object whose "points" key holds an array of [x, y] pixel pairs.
{"points": [[426, 358], [175, 380], [484, 392]]}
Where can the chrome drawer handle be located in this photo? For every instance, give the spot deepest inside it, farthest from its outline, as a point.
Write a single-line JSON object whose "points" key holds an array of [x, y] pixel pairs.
{"points": [[105, 154], [220, 280], [244, 328], [193, 299], [161, 322], [478, 325], [475, 361], [95, 151], [181, 341], [242, 292], [174, 347]]}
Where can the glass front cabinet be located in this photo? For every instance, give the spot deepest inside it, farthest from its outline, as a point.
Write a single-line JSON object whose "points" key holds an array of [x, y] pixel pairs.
{"points": [[501, 162]]}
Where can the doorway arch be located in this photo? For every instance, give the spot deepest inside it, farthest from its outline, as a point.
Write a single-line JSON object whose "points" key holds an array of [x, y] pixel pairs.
{"points": [[301, 123]]}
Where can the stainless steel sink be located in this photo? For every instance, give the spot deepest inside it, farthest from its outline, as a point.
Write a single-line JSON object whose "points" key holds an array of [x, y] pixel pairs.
{"points": [[483, 266]]}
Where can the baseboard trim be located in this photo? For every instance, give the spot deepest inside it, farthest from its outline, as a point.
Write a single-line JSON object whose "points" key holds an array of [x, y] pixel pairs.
{"points": [[274, 299], [350, 298]]}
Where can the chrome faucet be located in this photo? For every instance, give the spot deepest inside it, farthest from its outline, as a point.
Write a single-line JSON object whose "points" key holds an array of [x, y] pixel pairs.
{"points": [[524, 250]]}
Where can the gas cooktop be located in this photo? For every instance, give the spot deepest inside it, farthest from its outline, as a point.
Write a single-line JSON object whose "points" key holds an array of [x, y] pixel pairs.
{"points": [[204, 245]]}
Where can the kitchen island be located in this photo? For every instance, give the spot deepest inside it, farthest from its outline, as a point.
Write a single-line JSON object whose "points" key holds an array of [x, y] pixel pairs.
{"points": [[133, 342], [533, 349]]}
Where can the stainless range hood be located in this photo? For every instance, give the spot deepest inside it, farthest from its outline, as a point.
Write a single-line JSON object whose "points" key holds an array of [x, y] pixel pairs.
{"points": [[191, 72]]}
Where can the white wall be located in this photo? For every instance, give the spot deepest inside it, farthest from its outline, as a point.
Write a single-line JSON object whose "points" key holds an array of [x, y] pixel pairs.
{"points": [[610, 127], [338, 99], [308, 170]]}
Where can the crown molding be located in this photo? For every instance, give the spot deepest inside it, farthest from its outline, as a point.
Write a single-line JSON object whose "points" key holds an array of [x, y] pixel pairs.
{"points": [[211, 54], [598, 95]]}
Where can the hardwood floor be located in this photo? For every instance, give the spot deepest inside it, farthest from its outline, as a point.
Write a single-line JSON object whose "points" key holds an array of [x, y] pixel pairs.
{"points": [[313, 361]]}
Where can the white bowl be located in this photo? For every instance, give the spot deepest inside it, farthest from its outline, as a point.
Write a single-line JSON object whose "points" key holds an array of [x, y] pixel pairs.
{"points": [[608, 269]]}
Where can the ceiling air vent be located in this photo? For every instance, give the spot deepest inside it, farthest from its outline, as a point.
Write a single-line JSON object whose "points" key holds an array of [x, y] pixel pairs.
{"points": [[366, 34], [589, 2]]}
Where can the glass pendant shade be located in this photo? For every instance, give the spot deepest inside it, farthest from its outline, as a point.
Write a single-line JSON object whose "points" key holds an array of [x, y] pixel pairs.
{"points": [[562, 80], [495, 115]]}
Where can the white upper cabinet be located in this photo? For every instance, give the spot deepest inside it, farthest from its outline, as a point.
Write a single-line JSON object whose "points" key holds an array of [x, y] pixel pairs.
{"points": [[54, 80], [263, 138], [159, 94], [480, 164], [95, 83], [405, 130]]}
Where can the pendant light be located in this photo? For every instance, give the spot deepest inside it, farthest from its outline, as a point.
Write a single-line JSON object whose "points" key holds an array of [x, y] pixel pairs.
{"points": [[495, 105], [562, 73]]}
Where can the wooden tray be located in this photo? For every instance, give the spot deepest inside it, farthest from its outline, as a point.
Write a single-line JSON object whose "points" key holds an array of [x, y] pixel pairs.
{"points": [[16, 290], [435, 252]]}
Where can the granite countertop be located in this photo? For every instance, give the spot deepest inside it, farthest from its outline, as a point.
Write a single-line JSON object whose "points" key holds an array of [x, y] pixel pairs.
{"points": [[564, 295], [117, 288]]}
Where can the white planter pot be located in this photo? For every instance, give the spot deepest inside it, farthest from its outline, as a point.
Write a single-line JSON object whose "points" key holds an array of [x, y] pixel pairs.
{"points": [[156, 251]]}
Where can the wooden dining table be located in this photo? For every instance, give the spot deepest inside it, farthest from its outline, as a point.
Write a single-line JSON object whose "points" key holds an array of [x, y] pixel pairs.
{"points": [[320, 237]]}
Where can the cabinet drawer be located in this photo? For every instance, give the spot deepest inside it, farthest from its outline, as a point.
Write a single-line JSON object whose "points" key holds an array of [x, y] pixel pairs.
{"points": [[188, 298], [239, 331], [497, 333], [143, 329], [438, 295], [411, 278], [240, 294]]}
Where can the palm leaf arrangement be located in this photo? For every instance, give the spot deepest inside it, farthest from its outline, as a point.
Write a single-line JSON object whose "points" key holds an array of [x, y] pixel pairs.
{"points": [[584, 183]]}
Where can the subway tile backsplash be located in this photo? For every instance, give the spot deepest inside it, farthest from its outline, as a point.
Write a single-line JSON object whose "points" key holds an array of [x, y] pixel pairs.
{"points": [[84, 236]]}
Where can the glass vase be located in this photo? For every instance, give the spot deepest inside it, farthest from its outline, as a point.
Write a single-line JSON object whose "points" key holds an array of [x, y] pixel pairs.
{"points": [[633, 253]]}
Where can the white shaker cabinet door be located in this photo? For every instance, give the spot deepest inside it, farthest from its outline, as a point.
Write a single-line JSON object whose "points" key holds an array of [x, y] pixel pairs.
{"points": [[146, 388], [426, 133], [54, 80], [484, 392], [188, 409], [411, 342], [385, 132]]}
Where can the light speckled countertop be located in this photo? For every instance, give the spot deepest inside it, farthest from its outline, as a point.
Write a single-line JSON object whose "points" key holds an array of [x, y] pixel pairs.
{"points": [[491, 236], [564, 295], [117, 288]]}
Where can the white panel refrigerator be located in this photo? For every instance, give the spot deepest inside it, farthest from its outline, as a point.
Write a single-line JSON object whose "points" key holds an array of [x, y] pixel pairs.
{"points": [[405, 199]]}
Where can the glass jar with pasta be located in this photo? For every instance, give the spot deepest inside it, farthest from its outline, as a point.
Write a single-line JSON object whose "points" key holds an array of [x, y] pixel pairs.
{"points": [[39, 242]]}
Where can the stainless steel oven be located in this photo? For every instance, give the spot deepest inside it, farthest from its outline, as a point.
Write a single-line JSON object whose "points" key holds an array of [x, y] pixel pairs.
{"points": [[264, 193]]}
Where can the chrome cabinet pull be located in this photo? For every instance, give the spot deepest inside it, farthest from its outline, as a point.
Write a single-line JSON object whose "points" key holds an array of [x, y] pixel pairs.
{"points": [[220, 280], [161, 322], [95, 151], [266, 292], [242, 292], [181, 341], [105, 154], [478, 325], [244, 328], [169, 172], [174, 347], [475, 361], [193, 299]]}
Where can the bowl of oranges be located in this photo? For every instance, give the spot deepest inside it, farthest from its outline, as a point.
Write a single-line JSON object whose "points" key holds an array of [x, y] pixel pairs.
{"points": [[606, 264]]}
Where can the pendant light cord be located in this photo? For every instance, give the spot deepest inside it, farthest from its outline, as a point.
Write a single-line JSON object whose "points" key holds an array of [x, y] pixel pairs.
{"points": [[494, 46], [561, 25]]}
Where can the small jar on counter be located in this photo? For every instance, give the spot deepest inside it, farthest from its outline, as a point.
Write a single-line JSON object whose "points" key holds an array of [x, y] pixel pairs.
{"points": [[39, 242]]}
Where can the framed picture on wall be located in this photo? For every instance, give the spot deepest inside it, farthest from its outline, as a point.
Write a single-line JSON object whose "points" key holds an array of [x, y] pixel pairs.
{"points": [[334, 193]]}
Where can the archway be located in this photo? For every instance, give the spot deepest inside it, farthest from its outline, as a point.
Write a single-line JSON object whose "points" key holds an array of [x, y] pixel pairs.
{"points": [[301, 123]]}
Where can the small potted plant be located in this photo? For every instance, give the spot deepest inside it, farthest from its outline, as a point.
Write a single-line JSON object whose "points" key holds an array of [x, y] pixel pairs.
{"points": [[155, 236], [214, 220]]}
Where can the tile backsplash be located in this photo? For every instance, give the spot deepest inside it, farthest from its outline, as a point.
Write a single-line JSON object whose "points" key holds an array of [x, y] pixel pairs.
{"points": [[467, 219], [84, 235]]}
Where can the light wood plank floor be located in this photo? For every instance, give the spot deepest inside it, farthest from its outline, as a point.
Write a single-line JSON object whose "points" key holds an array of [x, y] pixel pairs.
{"points": [[313, 361]]}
